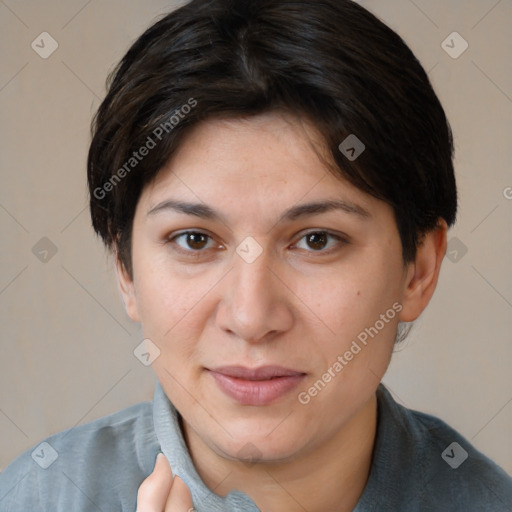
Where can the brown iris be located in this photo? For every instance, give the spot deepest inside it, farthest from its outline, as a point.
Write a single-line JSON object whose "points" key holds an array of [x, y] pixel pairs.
{"points": [[317, 241]]}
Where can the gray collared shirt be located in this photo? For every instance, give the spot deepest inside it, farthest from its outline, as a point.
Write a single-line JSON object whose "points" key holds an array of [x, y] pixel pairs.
{"points": [[419, 464]]}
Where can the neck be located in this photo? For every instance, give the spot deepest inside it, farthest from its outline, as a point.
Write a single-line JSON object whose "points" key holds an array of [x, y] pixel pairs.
{"points": [[330, 477]]}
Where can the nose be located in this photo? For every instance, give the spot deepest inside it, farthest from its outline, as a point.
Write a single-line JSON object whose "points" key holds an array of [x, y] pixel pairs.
{"points": [[256, 304]]}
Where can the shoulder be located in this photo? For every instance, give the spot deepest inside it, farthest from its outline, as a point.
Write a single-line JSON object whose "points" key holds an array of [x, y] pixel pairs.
{"points": [[80, 466], [443, 470], [482, 483]]}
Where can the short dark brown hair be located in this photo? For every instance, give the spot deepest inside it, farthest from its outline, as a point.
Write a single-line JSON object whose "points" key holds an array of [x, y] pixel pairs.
{"points": [[329, 61]]}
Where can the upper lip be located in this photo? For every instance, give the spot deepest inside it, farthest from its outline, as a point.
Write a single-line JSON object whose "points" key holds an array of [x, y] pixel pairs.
{"points": [[261, 373]]}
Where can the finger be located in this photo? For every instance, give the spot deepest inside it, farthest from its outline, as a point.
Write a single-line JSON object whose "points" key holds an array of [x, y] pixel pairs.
{"points": [[180, 499], [154, 490]]}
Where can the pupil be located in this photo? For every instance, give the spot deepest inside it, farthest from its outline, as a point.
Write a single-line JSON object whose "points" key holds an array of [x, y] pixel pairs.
{"points": [[313, 240]]}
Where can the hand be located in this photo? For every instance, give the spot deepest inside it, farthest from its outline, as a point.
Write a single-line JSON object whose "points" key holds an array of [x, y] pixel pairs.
{"points": [[161, 492]]}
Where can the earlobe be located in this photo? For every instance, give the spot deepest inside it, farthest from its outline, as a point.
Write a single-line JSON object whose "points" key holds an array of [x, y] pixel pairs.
{"points": [[127, 290], [422, 274]]}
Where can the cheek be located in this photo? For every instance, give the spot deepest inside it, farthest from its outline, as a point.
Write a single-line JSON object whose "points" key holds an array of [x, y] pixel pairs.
{"points": [[360, 307], [171, 307], [162, 296], [355, 299]]}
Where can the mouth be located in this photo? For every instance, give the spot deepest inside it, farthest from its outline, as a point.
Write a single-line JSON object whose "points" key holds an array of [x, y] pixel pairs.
{"points": [[255, 386]]}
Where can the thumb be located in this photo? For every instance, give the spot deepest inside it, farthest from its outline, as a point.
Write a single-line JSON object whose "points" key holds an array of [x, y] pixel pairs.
{"points": [[180, 499]]}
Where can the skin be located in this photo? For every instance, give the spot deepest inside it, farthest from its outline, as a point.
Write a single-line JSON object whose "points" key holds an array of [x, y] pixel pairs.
{"points": [[299, 305]]}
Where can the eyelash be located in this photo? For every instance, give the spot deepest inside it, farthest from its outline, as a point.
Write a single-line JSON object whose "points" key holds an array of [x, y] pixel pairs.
{"points": [[194, 253]]}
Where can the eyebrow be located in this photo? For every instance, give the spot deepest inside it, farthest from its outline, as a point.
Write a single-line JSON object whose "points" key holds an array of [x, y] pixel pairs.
{"points": [[204, 211]]}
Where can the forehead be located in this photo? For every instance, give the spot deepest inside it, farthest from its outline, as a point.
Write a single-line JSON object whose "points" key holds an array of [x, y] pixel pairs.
{"points": [[272, 157]]}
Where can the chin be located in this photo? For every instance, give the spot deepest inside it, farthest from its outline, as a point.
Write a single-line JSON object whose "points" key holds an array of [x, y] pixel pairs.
{"points": [[255, 447]]}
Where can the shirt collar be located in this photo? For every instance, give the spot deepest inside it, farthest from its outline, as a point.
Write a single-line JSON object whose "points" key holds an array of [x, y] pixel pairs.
{"points": [[170, 437], [396, 467]]}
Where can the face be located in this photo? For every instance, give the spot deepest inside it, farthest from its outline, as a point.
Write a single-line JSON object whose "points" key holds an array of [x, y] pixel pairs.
{"points": [[250, 278]]}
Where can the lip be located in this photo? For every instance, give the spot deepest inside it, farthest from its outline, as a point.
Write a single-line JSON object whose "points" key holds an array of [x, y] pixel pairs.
{"points": [[256, 386]]}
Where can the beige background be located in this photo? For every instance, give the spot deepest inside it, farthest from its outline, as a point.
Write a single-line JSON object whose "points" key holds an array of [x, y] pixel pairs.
{"points": [[67, 345]]}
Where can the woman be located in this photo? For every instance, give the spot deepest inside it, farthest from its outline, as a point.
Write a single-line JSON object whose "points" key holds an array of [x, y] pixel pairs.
{"points": [[275, 179]]}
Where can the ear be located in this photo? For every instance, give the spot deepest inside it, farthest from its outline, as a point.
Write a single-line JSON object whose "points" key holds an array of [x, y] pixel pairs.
{"points": [[127, 289], [422, 274]]}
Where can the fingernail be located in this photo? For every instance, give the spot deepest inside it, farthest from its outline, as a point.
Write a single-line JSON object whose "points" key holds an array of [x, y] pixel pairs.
{"points": [[160, 455]]}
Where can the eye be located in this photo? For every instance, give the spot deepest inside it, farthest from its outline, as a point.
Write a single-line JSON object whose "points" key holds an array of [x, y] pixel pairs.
{"points": [[318, 240], [196, 242], [192, 241]]}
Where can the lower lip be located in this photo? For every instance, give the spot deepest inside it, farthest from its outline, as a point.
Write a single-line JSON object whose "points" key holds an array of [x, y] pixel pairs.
{"points": [[256, 392]]}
